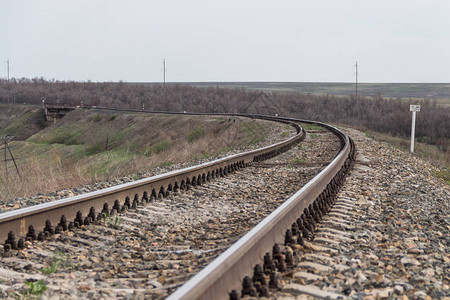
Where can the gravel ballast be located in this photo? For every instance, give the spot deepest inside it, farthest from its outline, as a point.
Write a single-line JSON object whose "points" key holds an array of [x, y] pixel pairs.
{"points": [[149, 252], [389, 233]]}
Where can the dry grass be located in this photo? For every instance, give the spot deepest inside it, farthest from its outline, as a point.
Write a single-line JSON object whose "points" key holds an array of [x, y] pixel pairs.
{"points": [[431, 153], [57, 159]]}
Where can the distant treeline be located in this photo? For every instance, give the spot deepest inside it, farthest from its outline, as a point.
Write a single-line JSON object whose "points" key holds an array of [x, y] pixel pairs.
{"points": [[375, 113]]}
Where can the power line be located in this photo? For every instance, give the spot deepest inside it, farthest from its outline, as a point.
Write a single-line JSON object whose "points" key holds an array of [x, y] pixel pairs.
{"points": [[7, 67]]}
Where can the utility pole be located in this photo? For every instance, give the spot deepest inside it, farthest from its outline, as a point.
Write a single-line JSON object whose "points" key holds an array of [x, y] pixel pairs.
{"points": [[7, 67], [356, 66], [6, 161], [7, 139], [164, 71]]}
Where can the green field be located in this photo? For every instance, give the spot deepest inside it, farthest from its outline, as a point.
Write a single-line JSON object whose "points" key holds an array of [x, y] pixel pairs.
{"points": [[438, 91]]}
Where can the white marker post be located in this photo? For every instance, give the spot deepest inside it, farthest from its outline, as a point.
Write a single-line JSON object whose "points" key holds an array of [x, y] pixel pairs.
{"points": [[413, 108]]}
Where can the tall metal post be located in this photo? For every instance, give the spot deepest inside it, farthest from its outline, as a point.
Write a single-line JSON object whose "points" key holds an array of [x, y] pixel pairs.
{"points": [[6, 162], [413, 130], [413, 108], [356, 79]]}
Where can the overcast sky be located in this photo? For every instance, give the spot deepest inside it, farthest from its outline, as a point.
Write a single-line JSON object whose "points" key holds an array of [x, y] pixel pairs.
{"points": [[232, 40]]}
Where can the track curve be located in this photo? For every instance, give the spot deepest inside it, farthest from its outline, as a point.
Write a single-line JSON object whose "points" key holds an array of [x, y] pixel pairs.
{"points": [[18, 222], [223, 274]]}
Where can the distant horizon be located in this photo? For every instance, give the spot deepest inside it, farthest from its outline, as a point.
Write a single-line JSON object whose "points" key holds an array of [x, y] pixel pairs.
{"points": [[433, 90], [216, 81]]}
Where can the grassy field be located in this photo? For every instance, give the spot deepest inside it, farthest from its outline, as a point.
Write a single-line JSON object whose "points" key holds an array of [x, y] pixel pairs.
{"points": [[438, 91], [90, 146]]}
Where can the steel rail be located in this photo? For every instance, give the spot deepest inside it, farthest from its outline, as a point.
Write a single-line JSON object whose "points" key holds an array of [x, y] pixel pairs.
{"points": [[18, 221], [226, 272]]}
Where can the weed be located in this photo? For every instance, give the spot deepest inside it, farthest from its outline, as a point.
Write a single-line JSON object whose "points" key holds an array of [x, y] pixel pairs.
{"points": [[112, 221], [35, 288], [78, 152], [60, 260], [97, 118], [112, 118], [50, 269], [314, 135], [299, 160], [445, 174], [115, 223], [311, 127], [303, 147], [204, 155], [166, 164], [117, 138], [424, 151], [284, 134], [224, 150], [63, 135], [95, 148], [159, 147], [196, 134], [255, 133]]}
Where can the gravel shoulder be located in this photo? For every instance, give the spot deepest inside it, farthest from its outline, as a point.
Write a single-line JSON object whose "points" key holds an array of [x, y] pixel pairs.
{"points": [[389, 232]]}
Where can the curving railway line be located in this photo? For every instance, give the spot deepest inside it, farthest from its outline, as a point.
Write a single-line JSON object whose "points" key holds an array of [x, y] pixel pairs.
{"points": [[65, 222]]}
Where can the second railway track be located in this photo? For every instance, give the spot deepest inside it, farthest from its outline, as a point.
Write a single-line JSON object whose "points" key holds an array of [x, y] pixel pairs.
{"points": [[151, 250]]}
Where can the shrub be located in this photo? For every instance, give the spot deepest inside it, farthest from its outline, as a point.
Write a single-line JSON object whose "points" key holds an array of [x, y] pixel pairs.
{"points": [[66, 138], [95, 148], [97, 118], [159, 147], [196, 134]]}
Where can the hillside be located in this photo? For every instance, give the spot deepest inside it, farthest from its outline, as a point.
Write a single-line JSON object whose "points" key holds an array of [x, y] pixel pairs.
{"points": [[89, 146], [21, 121]]}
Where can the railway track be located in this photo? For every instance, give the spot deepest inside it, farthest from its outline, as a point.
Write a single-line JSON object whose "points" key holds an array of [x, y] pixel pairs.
{"points": [[150, 250], [321, 257], [377, 242], [297, 218]]}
